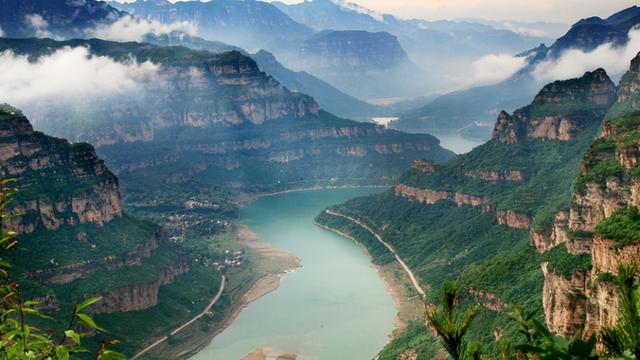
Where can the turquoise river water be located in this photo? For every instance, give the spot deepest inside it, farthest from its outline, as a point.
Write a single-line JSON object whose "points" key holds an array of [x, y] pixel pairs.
{"points": [[334, 307]]}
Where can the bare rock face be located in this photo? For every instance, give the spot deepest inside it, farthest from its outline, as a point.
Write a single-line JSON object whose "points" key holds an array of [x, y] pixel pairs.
{"points": [[559, 235], [139, 296], [559, 111], [425, 166], [426, 196], [585, 303], [597, 204], [513, 219], [495, 175], [89, 192], [564, 301]]}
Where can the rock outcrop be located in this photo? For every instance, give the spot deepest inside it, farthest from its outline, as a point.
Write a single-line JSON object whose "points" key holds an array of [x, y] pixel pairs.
{"points": [[86, 192], [139, 296], [513, 219], [495, 175], [560, 110], [585, 302]]}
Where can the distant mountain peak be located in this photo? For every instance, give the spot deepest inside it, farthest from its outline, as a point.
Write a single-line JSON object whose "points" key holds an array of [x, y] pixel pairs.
{"points": [[346, 5], [560, 110]]}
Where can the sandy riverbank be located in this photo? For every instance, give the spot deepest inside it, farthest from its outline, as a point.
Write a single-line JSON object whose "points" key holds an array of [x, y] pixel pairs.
{"points": [[271, 264]]}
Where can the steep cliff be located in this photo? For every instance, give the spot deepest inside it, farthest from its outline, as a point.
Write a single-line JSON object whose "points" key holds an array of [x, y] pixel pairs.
{"points": [[61, 183], [470, 217], [203, 111], [600, 225], [560, 110], [75, 240]]}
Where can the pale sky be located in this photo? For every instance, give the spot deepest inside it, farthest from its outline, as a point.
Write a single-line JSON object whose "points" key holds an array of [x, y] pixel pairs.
{"points": [[563, 11]]}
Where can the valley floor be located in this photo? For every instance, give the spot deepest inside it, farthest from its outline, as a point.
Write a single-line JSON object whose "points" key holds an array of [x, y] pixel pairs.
{"points": [[268, 266]]}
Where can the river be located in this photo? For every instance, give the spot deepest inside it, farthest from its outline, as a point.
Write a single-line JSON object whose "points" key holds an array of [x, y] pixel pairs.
{"points": [[334, 307]]}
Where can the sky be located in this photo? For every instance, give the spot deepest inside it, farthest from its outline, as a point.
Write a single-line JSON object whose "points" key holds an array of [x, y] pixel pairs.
{"points": [[561, 11]]}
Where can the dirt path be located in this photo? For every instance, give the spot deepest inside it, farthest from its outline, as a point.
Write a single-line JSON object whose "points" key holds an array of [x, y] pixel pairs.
{"points": [[404, 266], [183, 326]]}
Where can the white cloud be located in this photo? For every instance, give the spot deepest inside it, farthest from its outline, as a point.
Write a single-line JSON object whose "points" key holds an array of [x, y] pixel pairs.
{"points": [[573, 63], [128, 28], [493, 68], [69, 74], [38, 24]]}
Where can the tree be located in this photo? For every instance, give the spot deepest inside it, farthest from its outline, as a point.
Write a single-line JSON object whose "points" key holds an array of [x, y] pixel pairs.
{"points": [[21, 339], [623, 340], [452, 324]]}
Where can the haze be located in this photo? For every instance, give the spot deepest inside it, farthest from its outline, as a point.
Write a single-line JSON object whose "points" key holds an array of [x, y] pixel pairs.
{"points": [[566, 11]]}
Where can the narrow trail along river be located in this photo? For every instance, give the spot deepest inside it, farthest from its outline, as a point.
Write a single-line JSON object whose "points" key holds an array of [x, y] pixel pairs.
{"points": [[334, 307]]}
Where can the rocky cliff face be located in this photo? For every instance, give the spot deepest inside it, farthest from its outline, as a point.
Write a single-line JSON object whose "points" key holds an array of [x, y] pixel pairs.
{"points": [[358, 50], [139, 296], [203, 112], [584, 303], [560, 110], [69, 215], [86, 191]]}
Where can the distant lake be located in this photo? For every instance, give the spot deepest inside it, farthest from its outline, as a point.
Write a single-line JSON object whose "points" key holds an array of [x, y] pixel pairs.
{"points": [[457, 143], [334, 307]]}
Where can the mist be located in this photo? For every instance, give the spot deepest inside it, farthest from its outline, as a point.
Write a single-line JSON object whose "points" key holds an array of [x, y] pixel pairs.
{"points": [[129, 28], [69, 75], [494, 68], [573, 63]]}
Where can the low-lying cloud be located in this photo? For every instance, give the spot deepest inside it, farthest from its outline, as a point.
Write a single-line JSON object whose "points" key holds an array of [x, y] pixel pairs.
{"points": [[128, 28], [574, 63], [493, 68], [69, 74]]}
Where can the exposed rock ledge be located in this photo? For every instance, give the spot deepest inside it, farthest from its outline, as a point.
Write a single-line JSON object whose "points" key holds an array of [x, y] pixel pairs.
{"points": [[495, 176], [513, 219], [430, 197], [139, 296]]}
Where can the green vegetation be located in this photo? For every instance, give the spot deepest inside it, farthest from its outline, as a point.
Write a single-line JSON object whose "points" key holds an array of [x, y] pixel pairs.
{"points": [[178, 301], [21, 339], [451, 324], [533, 340], [565, 264], [623, 227], [604, 169]]}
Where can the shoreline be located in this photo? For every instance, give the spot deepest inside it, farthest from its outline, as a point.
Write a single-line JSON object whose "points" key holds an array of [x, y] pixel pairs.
{"points": [[269, 281], [266, 281], [246, 199], [408, 307]]}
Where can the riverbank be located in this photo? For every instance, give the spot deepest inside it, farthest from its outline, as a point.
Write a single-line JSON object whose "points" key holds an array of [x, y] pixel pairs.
{"points": [[409, 305], [268, 266], [246, 198], [271, 265]]}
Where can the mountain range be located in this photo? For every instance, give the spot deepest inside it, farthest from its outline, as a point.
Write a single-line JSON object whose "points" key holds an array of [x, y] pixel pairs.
{"points": [[466, 109], [526, 218]]}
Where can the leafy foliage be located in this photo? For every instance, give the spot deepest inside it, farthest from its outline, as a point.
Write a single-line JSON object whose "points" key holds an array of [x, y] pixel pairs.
{"points": [[623, 340], [623, 226], [451, 324], [563, 263]]}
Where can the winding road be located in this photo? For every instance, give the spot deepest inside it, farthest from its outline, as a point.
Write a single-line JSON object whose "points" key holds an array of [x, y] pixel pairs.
{"points": [[414, 280], [183, 326]]}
